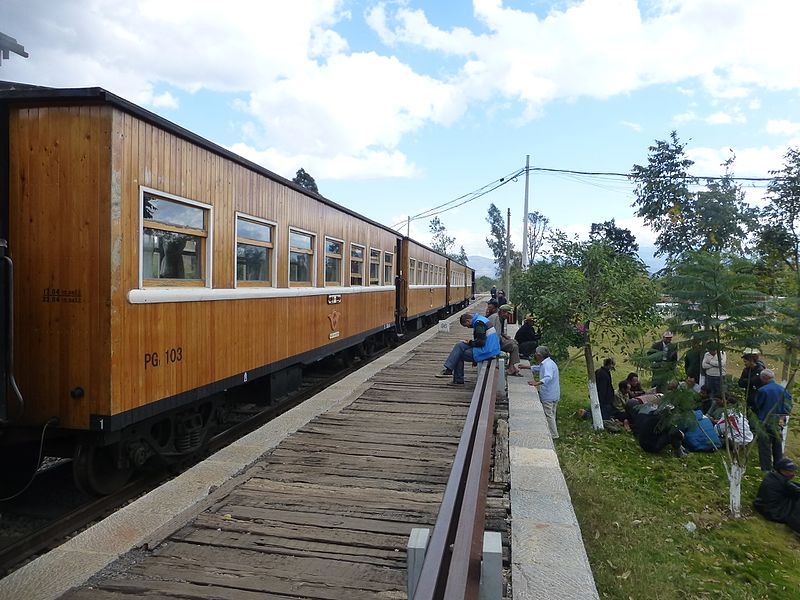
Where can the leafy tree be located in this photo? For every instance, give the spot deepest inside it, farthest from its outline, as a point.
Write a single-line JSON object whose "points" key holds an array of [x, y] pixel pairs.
{"points": [[779, 249], [306, 181], [717, 303], [443, 243], [715, 219], [538, 226], [620, 238], [484, 283], [585, 295], [497, 243]]}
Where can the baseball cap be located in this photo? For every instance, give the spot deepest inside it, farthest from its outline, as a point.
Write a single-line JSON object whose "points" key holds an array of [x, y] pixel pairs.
{"points": [[785, 464], [507, 308]]}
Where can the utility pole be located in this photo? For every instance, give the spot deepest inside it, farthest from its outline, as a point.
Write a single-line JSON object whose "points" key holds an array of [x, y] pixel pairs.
{"points": [[525, 214], [408, 226], [507, 286]]}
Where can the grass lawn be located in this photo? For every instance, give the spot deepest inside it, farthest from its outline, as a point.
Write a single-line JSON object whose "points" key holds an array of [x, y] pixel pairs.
{"points": [[633, 508]]}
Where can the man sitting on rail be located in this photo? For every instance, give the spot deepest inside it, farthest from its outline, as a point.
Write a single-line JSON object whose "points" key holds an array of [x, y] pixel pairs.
{"points": [[485, 344]]}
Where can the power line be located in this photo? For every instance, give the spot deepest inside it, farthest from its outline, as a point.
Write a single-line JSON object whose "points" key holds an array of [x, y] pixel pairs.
{"points": [[630, 176]]}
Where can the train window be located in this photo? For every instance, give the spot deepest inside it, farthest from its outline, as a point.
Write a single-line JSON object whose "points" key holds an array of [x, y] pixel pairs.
{"points": [[356, 264], [174, 234], [254, 251], [334, 254], [374, 266], [301, 258], [419, 273], [412, 272], [388, 268], [426, 274]]}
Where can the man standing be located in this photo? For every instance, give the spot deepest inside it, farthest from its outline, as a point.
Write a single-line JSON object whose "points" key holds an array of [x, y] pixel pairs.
{"points": [[548, 385], [693, 360], [714, 362], [778, 498], [772, 404], [485, 344], [605, 388], [750, 379], [663, 357]]}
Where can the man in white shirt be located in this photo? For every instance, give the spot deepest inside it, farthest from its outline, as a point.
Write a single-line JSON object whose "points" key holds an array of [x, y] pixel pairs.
{"points": [[548, 385]]}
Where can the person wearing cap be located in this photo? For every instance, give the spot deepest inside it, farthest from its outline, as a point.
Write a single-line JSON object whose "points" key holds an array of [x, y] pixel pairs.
{"points": [[772, 403], [778, 497], [485, 344], [527, 337], [750, 379], [506, 343], [663, 356]]}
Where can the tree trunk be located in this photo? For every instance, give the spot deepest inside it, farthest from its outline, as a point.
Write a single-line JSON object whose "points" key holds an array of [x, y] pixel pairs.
{"points": [[735, 474], [594, 399]]}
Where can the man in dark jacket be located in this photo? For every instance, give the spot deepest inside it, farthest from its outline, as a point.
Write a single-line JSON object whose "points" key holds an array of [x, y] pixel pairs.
{"points": [[693, 360], [605, 388], [778, 498], [663, 356], [651, 426], [527, 337], [751, 377]]}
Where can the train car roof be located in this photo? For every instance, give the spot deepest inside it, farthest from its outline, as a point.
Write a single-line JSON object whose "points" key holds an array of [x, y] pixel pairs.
{"points": [[11, 91], [421, 245]]}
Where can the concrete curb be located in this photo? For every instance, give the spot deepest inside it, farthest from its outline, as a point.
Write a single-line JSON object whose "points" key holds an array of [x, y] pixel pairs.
{"points": [[548, 558]]}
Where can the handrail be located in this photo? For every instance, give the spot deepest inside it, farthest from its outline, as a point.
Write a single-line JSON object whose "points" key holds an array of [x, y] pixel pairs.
{"points": [[451, 569]]}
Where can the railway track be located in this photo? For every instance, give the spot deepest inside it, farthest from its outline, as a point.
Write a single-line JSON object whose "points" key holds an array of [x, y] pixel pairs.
{"points": [[73, 516]]}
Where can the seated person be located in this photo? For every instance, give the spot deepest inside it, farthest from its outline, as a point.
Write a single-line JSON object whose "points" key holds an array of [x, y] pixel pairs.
{"points": [[651, 425], [636, 385], [689, 384], [619, 407], [701, 436], [778, 498], [527, 337], [498, 316], [716, 409], [485, 344]]}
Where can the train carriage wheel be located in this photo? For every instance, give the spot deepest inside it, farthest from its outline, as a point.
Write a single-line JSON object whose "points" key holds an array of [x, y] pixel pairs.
{"points": [[95, 469]]}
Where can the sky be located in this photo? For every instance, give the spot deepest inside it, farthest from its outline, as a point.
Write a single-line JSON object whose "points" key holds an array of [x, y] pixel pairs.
{"points": [[396, 107]]}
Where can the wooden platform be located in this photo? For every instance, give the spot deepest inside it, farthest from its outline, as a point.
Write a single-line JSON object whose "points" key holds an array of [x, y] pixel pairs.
{"points": [[327, 513]]}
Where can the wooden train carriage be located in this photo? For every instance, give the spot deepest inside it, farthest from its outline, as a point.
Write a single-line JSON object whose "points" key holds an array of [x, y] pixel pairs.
{"points": [[154, 268], [459, 290], [424, 282]]}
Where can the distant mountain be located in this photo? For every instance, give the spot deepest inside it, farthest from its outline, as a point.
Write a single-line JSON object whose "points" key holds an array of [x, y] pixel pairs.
{"points": [[483, 266]]}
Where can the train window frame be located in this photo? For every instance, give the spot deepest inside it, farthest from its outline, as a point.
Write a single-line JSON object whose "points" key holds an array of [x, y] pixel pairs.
{"points": [[205, 236], [412, 271], [388, 261], [376, 281], [420, 280], [272, 260], [339, 257], [312, 253], [357, 260]]}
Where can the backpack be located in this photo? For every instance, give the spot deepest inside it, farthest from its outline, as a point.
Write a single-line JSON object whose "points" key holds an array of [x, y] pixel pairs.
{"points": [[704, 437]]}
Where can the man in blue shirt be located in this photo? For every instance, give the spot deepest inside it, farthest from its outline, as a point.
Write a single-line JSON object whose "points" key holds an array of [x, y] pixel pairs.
{"points": [[772, 404], [485, 344], [548, 385]]}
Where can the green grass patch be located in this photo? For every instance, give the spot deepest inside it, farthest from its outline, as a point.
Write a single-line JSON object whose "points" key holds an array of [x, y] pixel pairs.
{"points": [[633, 507]]}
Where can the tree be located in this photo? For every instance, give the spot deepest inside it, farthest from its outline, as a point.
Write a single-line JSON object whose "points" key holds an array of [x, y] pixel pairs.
{"points": [[619, 238], [497, 243], [538, 225], [717, 303], [716, 219], [306, 181], [779, 249], [586, 295], [443, 243]]}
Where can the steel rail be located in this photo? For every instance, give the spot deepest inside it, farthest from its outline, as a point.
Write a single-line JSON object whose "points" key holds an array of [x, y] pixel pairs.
{"points": [[451, 568]]}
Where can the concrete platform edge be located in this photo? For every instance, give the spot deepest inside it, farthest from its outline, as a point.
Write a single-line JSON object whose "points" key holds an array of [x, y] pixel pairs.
{"points": [[548, 558]]}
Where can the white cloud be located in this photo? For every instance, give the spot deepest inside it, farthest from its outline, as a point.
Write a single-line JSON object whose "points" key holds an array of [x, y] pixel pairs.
{"points": [[309, 95], [165, 100], [631, 125], [783, 127]]}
